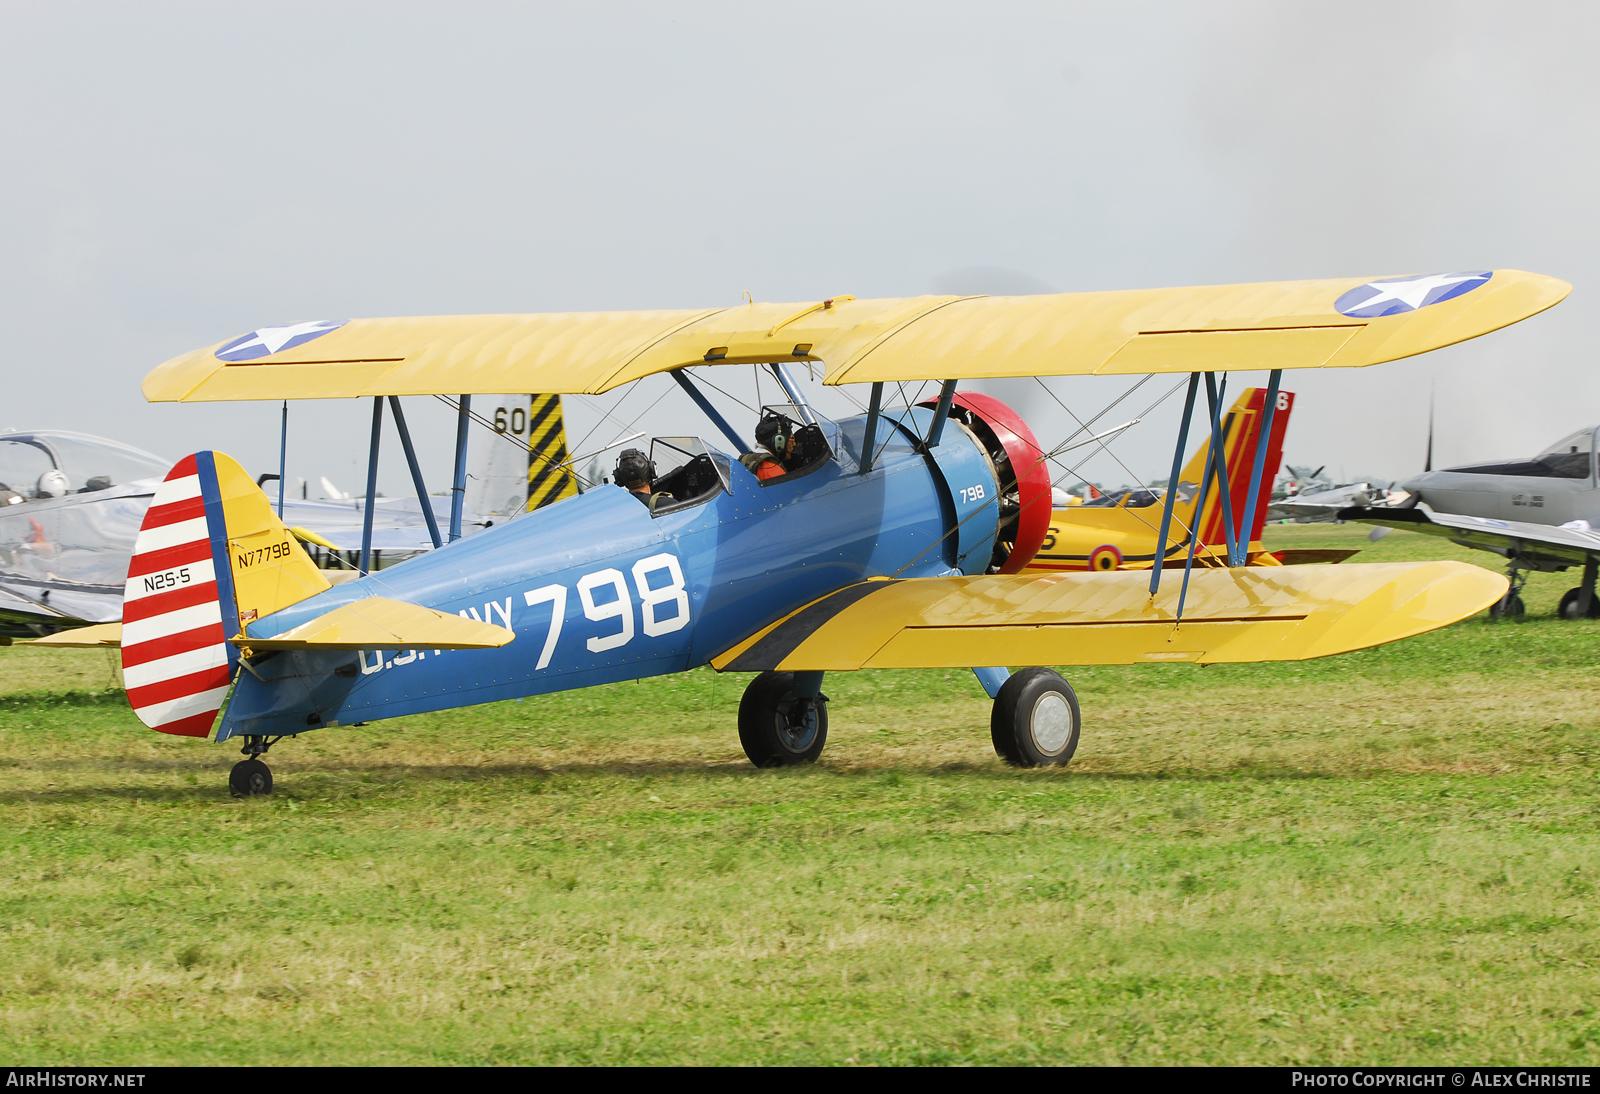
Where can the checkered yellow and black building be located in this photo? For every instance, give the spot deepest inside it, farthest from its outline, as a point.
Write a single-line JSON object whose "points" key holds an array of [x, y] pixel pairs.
{"points": [[549, 479]]}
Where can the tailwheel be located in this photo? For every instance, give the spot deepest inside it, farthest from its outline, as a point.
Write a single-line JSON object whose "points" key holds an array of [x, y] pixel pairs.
{"points": [[1570, 601], [1035, 719], [783, 719], [250, 778]]}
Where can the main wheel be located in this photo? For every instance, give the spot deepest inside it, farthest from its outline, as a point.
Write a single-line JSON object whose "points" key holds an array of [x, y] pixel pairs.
{"points": [[250, 778], [776, 728], [1508, 608], [1035, 719], [1569, 605]]}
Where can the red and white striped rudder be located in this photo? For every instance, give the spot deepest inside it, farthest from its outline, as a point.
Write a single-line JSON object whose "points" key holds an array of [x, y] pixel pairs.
{"points": [[176, 661]]}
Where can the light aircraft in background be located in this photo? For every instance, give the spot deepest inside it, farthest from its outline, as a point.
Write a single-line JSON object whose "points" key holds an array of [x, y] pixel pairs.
{"points": [[1539, 514], [1324, 504], [889, 539]]}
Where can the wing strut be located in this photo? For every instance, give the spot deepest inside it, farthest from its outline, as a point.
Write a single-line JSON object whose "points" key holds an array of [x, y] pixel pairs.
{"points": [[416, 471], [871, 437], [1172, 489], [1219, 460], [793, 392], [1205, 489], [940, 413], [1263, 439], [372, 483], [458, 484], [283, 456], [710, 411]]}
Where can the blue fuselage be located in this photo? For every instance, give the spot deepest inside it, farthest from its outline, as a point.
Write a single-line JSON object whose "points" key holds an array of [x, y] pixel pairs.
{"points": [[598, 590]]}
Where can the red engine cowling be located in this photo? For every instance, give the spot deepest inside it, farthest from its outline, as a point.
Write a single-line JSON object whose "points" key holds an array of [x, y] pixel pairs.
{"points": [[1020, 469]]}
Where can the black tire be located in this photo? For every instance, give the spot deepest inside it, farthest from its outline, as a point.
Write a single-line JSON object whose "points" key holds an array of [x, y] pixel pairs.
{"points": [[1035, 720], [1509, 608], [1569, 605], [250, 778], [767, 729]]}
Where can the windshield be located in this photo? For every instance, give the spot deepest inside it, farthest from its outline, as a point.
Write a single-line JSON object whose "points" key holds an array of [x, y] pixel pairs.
{"points": [[24, 466], [669, 454], [1568, 458]]}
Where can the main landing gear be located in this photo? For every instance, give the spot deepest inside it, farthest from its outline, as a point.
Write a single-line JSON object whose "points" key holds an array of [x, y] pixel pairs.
{"points": [[1581, 603], [1035, 720], [783, 719], [1510, 606], [250, 777]]}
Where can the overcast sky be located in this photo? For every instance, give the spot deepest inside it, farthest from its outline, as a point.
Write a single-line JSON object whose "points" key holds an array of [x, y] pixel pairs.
{"points": [[173, 175]]}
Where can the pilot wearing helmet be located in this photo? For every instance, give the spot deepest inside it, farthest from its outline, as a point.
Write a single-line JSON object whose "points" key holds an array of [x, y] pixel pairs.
{"points": [[775, 433], [636, 474]]}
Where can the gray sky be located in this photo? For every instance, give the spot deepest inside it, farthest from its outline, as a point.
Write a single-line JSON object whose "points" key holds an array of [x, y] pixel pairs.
{"points": [[174, 175]]}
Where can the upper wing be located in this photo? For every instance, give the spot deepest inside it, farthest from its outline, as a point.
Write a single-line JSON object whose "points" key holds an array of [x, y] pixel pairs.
{"points": [[1286, 613], [1286, 324], [1535, 542]]}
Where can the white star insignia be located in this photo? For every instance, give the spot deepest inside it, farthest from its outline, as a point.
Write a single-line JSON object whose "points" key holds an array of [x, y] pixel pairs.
{"points": [[275, 338], [1412, 292]]}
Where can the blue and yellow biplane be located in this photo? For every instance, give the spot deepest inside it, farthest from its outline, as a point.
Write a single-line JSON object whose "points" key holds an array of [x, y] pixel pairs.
{"points": [[891, 539]]}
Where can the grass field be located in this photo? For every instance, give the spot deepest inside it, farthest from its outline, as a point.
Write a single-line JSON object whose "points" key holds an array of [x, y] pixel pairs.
{"points": [[1385, 857]]}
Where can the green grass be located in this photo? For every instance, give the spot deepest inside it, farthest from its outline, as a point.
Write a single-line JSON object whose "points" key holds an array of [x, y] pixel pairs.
{"points": [[1386, 857]]}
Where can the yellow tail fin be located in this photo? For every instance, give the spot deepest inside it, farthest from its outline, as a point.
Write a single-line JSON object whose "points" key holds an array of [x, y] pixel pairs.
{"points": [[270, 569]]}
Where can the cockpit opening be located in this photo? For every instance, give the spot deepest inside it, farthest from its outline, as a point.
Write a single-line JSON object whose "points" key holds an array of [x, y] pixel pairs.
{"points": [[785, 449], [687, 473], [44, 465], [1568, 458], [1125, 499]]}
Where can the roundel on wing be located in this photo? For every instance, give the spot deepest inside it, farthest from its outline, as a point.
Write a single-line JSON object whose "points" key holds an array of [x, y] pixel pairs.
{"points": [[269, 340], [1105, 557], [1395, 295]]}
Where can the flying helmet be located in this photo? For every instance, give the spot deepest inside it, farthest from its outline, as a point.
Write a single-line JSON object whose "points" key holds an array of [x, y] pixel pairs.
{"points": [[774, 431], [634, 467]]}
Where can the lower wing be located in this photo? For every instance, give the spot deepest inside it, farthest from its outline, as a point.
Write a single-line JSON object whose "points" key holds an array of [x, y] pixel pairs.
{"points": [[1285, 613]]}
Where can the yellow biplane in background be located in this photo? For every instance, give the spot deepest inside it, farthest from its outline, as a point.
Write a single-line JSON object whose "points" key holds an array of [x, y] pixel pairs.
{"points": [[897, 538], [1117, 530]]}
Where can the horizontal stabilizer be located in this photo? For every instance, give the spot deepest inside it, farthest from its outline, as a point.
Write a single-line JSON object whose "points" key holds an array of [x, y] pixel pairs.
{"points": [[378, 623], [309, 536], [101, 636], [1278, 613]]}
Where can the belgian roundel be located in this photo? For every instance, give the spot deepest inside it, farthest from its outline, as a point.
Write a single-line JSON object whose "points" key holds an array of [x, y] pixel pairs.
{"points": [[1105, 557]]}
